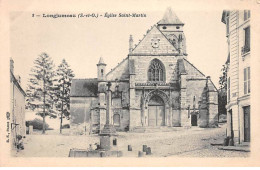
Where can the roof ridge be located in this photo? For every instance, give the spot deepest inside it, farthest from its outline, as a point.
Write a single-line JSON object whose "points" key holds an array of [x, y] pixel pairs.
{"points": [[194, 67], [143, 37], [213, 84], [117, 66], [149, 32], [17, 84]]}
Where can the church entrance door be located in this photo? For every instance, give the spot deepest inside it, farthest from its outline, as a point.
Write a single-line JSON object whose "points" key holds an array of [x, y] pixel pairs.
{"points": [[194, 120], [156, 112]]}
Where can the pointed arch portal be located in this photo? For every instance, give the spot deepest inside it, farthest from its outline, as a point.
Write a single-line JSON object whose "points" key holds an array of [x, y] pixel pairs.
{"points": [[156, 111]]}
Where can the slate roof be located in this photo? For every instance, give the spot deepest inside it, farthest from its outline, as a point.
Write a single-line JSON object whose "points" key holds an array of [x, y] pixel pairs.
{"points": [[14, 80], [84, 87], [170, 18]]}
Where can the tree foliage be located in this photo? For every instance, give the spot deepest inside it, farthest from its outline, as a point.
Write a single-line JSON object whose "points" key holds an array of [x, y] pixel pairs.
{"points": [[64, 75], [222, 95], [223, 77], [40, 90]]}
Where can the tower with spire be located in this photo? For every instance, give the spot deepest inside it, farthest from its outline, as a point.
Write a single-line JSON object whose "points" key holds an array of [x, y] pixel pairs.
{"points": [[172, 27]]}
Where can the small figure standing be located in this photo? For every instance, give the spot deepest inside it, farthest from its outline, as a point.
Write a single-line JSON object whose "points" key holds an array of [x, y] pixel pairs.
{"points": [[90, 147]]}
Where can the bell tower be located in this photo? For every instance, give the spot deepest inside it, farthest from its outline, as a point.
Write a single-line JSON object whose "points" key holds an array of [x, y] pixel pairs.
{"points": [[172, 27], [101, 70]]}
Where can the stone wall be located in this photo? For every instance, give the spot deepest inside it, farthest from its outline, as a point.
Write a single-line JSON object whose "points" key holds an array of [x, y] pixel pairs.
{"points": [[194, 88], [124, 119], [80, 109], [18, 112]]}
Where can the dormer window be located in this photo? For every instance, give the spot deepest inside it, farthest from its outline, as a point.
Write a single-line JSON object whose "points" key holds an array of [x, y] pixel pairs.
{"points": [[156, 71]]}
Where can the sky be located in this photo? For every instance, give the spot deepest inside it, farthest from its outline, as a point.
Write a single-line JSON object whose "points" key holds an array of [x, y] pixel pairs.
{"points": [[82, 41]]}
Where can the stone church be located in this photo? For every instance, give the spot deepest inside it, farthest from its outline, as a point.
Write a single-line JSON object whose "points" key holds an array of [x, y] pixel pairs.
{"points": [[154, 86]]}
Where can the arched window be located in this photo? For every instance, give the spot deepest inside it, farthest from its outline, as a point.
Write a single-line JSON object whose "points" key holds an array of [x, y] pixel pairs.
{"points": [[156, 71], [116, 119]]}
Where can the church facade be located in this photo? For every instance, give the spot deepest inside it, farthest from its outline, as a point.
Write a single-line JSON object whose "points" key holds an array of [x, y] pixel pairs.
{"points": [[154, 86]]}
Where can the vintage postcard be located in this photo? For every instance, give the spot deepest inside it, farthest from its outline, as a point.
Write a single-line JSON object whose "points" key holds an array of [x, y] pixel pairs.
{"points": [[130, 83]]}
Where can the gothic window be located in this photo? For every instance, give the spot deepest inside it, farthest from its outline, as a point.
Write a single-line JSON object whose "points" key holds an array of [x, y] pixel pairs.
{"points": [[156, 71]]}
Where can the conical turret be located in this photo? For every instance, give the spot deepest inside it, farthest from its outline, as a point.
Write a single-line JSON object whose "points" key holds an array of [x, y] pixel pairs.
{"points": [[101, 69]]}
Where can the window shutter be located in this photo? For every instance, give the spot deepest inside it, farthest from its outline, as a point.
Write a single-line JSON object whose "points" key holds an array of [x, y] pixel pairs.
{"points": [[248, 79]]}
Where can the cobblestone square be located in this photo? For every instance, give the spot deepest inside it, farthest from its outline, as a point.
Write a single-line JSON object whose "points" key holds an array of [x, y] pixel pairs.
{"points": [[168, 142]]}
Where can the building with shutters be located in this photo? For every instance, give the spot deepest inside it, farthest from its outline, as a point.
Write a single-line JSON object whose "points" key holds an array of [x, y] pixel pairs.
{"points": [[154, 86], [238, 74]]}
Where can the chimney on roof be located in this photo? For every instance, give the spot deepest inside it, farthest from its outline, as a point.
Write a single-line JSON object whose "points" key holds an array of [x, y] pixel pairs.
{"points": [[11, 65], [131, 44]]}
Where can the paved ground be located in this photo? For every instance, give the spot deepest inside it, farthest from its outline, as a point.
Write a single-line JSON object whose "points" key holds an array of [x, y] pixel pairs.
{"points": [[180, 142]]}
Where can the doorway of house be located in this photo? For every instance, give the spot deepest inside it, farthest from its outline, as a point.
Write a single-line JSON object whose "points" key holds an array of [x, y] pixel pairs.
{"points": [[246, 123]]}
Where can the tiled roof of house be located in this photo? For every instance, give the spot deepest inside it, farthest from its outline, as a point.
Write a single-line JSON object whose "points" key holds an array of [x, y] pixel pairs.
{"points": [[84, 88], [14, 80]]}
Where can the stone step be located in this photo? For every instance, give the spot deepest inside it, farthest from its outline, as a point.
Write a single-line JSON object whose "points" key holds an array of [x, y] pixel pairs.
{"points": [[149, 129]]}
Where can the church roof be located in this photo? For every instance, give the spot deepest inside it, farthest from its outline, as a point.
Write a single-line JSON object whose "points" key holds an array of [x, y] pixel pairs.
{"points": [[84, 88], [211, 86], [170, 18]]}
